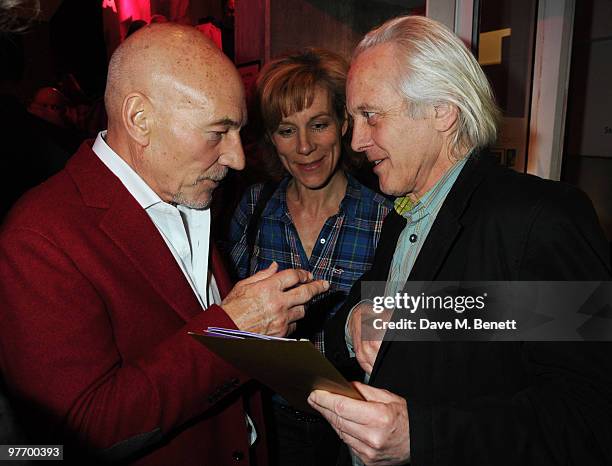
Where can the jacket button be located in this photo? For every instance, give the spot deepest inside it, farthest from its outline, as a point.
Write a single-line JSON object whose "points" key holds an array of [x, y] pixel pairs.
{"points": [[238, 455]]}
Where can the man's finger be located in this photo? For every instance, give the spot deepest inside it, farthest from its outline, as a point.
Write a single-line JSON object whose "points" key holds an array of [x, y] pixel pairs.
{"points": [[359, 430], [339, 424], [375, 394], [361, 449], [365, 354], [364, 363], [367, 348], [305, 292], [357, 411], [328, 414], [370, 351], [296, 313], [261, 275], [288, 278]]}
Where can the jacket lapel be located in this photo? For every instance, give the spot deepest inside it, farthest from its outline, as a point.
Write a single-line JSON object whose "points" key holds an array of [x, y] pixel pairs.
{"points": [[224, 283], [129, 226], [447, 225], [389, 235], [436, 247], [131, 229]]}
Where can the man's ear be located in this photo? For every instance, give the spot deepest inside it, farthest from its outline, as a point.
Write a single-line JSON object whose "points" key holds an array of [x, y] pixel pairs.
{"points": [[345, 123], [445, 116], [137, 118]]}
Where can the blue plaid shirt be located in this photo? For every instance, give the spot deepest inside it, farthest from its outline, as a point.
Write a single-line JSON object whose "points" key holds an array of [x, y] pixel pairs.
{"points": [[344, 249]]}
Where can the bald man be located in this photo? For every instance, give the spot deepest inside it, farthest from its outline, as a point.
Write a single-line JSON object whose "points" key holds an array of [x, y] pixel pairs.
{"points": [[106, 267]]}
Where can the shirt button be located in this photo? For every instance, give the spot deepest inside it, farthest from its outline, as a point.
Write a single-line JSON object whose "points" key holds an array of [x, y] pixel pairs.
{"points": [[322, 241], [413, 238], [237, 455]]}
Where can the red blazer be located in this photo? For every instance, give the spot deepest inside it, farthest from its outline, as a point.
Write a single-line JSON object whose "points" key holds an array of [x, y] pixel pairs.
{"points": [[94, 315]]}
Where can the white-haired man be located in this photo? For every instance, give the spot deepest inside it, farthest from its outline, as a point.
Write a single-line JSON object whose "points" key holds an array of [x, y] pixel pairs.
{"points": [[422, 110]]}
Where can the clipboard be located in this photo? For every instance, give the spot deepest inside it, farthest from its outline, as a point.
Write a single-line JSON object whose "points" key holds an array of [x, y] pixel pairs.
{"points": [[292, 368]]}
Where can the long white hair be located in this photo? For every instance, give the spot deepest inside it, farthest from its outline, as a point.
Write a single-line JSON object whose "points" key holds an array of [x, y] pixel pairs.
{"points": [[437, 68]]}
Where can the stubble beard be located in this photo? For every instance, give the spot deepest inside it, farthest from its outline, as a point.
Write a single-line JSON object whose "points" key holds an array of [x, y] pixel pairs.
{"points": [[216, 176]]}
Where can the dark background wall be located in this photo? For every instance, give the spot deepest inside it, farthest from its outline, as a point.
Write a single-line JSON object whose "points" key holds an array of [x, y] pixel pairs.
{"points": [[266, 29], [67, 38], [336, 25]]}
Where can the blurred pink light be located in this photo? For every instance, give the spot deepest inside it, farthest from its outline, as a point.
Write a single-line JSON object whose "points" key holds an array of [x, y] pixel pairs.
{"points": [[130, 9]]}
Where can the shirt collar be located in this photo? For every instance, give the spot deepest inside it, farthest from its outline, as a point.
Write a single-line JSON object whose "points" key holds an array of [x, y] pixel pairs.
{"points": [[352, 196], [430, 201], [277, 205], [137, 187]]}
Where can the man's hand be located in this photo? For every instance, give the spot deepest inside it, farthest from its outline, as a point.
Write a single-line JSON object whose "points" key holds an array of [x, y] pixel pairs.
{"points": [[270, 302], [377, 430], [366, 339]]}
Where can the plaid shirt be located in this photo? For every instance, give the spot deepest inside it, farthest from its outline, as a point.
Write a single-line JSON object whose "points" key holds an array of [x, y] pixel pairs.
{"points": [[344, 249]]}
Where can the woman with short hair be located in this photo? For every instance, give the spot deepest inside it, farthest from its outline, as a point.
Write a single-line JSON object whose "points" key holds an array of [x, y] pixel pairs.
{"points": [[318, 218]]}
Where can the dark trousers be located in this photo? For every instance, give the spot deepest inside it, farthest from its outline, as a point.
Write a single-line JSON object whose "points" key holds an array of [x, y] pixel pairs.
{"points": [[300, 439]]}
